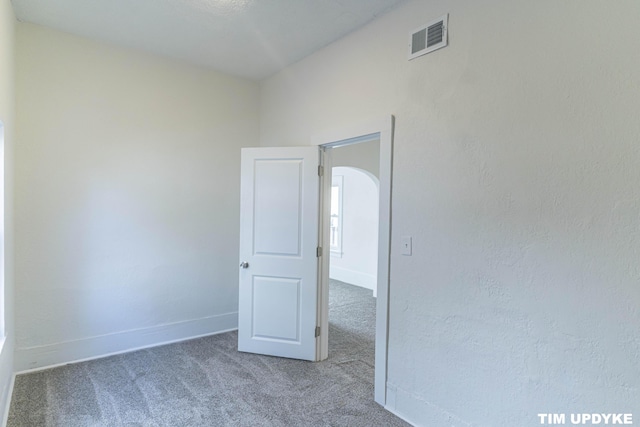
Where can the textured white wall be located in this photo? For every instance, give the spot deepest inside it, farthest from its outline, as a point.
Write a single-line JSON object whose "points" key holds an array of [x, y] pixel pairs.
{"points": [[358, 264], [516, 171], [127, 197], [7, 101]]}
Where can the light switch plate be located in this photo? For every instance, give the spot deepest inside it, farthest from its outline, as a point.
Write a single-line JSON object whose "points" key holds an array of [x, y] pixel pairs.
{"points": [[406, 245]]}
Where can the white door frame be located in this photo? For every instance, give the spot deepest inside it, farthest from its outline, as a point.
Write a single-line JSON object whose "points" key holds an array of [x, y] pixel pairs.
{"points": [[382, 129]]}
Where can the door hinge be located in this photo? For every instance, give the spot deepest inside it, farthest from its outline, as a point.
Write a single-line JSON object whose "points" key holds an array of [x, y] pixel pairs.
{"points": [[317, 331], [320, 170], [318, 251]]}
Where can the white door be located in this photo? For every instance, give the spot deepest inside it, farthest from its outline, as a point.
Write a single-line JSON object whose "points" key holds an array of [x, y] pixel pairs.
{"points": [[279, 218]]}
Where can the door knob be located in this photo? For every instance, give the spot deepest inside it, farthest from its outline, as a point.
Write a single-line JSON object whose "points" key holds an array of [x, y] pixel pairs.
{"points": [[244, 264]]}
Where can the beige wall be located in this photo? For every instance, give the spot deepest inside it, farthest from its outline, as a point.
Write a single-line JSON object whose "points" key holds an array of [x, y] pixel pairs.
{"points": [[516, 167], [127, 197], [7, 101]]}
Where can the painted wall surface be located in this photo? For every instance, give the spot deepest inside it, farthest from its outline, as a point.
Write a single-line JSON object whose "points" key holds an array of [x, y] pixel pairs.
{"points": [[516, 171], [7, 103], [364, 155], [127, 197], [358, 263]]}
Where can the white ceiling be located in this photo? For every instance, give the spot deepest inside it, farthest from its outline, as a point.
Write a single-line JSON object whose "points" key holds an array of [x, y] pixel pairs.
{"points": [[248, 38]]}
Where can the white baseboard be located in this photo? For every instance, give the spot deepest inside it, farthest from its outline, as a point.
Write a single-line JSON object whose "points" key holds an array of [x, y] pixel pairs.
{"points": [[6, 377], [51, 355], [417, 411], [357, 278], [7, 404], [399, 416]]}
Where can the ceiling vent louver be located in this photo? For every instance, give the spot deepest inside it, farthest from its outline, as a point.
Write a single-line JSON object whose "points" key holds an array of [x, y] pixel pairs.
{"points": [[428, 37]]}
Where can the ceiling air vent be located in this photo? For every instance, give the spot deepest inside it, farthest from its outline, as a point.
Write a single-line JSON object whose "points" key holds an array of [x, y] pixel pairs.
{"points": [[428, 37]]}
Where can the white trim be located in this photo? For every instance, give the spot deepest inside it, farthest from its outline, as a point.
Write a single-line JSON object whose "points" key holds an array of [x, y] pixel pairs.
{"points": [[394, 412], [362, 131], [7, 404], [379, 128], [417, 411], [353, 277], [49, 356], [322, 343]]}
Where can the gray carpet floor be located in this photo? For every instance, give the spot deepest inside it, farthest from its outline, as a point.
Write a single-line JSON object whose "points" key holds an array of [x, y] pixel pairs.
{"points": [[207, 382]]}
